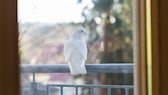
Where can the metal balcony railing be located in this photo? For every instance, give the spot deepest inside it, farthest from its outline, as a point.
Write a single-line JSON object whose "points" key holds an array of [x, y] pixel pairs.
{"points": [[123, 68]]}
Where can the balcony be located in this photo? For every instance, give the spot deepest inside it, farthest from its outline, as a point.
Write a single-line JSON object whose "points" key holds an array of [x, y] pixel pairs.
{"points": [[126, 68]]}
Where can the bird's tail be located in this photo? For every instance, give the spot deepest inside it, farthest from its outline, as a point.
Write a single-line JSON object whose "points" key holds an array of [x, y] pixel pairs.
{"points": [[77, 69]]}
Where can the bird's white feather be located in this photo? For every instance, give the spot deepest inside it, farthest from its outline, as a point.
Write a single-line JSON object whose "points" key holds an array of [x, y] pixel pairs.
{"points": [[75, 52]]}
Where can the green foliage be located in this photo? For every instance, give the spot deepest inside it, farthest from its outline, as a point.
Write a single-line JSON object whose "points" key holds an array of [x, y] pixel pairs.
{"points": [[102, 5]]}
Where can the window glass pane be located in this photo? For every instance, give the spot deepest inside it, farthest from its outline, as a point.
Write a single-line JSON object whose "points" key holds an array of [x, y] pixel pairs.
{"points": [[45, 25]]}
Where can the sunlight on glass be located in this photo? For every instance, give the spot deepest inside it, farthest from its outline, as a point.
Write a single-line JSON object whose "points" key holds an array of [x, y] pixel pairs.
{"points": [[45, 25], [49, 11]]}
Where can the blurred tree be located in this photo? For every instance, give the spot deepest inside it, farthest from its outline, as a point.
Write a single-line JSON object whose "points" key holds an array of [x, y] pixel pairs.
{"points": [[116, 18]]}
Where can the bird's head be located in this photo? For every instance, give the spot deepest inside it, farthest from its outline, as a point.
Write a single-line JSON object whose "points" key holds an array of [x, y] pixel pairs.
{"points": [[79, 33]]}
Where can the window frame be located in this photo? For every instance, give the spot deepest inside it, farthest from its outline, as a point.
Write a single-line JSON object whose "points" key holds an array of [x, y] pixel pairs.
{"points": [[9, 58], [140, 49], [9, 67]]}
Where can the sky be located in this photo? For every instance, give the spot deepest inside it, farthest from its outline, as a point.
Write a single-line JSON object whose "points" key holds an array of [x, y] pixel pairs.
{"points": [[50, 11]]}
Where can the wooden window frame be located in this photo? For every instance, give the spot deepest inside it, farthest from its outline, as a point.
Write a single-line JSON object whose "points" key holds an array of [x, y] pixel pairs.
{"points": [[140, 49], [9, 58]]}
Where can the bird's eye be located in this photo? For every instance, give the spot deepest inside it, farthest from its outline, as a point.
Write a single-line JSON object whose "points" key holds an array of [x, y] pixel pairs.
{"points": [[81, 31]]}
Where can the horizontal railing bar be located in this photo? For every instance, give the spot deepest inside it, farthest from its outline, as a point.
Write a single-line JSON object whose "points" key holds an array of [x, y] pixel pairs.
{"points": [[91, 86], [91, 68]]}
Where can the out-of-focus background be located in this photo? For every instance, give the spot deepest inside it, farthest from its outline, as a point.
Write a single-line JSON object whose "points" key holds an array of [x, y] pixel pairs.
{"points": [[44, 25]]}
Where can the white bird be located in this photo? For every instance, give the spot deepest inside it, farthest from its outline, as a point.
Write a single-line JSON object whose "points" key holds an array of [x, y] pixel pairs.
{"points": [[75, 52]]}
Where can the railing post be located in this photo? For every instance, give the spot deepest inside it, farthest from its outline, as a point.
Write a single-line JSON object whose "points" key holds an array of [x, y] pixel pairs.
{"points": [[109, 91], [34, 86], [126, 91], [91, 92], [61, 90], [47, 92], [76, 90]]}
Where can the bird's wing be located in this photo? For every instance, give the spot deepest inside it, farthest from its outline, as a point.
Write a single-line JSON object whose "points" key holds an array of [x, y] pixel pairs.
{"points": [[82, 47], [72, 46], [68, 49]]}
